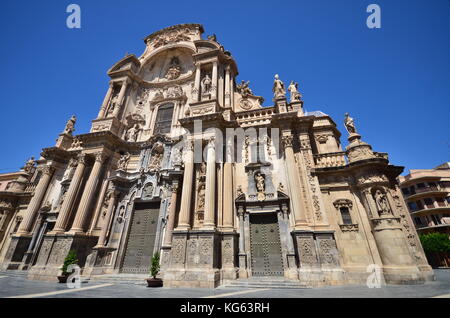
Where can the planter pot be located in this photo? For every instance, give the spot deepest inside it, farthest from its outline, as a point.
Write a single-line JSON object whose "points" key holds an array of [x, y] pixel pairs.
{"points": [[154, 282], [63, 279]]}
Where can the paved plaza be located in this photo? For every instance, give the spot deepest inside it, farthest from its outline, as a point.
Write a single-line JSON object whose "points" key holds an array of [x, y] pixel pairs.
{"points": [[16, 285]]}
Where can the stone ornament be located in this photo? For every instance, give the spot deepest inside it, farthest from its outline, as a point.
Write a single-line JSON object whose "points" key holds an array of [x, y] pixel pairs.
{"points": [[243, 89], [343, 203], [245, 104], [382, 203], [113, 103], [171, 37], [174, 70], [123, 161], [156, 157], [295, 94], [70, 126], [278, 88], [147, 191], [132, 133], [260, 186], [76, 143], [29, 166]]}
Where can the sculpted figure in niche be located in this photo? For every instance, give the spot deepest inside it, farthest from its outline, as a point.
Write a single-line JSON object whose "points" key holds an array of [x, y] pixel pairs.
{"points": [[112, 105], [278, 88], [157, 156], [70, 125], [201, 195], [159, 95], [206, 84], [295, 94], [349, 124], [147, 192], [382, 203], [132, 133], [260, 186], [123, 161]]}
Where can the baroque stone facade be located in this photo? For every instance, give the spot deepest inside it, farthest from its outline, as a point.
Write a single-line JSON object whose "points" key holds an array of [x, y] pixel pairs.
{"points": [[155, 174]]}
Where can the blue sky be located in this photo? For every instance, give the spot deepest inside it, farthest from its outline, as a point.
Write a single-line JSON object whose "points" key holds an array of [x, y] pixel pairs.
{"points": [[394, 81]]}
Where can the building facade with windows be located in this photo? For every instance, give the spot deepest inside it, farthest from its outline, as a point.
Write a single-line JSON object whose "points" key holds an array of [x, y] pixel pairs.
{"points": [[427, 195], [185, 161]]}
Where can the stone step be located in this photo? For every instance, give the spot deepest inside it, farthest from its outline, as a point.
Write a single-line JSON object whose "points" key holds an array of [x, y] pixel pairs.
{"points": [[267, 283], [119, 279]]}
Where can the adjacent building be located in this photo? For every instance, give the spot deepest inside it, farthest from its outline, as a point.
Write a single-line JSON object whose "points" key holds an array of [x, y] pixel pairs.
{"points": [[427, 195], [184, 160]]}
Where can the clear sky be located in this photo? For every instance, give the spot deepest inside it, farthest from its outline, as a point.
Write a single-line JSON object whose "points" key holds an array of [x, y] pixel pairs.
{"points": [[394, 80]]}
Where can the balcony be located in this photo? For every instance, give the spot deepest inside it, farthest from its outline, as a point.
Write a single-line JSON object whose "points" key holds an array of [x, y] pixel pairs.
{"points": [[429, 190], [331, 159]]}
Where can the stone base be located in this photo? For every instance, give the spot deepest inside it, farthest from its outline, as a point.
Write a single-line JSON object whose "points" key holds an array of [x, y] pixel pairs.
{"points": [[54, 250], [403, 275], [16, 252], [192, 278]]}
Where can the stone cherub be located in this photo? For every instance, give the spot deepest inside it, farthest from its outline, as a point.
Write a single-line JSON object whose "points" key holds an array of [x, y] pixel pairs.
{"points": [[349, 124], [244, 89], [278, 88], [293, 90], [70, 125]]}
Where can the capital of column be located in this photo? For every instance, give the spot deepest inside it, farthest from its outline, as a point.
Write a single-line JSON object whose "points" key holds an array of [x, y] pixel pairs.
{"points": [[287, 141], [47, 170], [100, 156], [82, 158]]}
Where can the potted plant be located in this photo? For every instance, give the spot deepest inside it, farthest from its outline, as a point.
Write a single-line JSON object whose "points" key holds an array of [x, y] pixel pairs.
{"points": [[70, 259], [154, 270]]}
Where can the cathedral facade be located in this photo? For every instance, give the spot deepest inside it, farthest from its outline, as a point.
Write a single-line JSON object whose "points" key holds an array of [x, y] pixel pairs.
{"points": [[184, 161]]}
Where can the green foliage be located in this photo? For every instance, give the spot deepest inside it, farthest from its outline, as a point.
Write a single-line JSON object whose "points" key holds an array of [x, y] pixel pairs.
{"points": [[70, 259], [435, 242], [154, 268]]}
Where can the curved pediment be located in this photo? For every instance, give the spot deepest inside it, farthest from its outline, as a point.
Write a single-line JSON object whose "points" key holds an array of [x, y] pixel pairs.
{"points": [[129, 63]]}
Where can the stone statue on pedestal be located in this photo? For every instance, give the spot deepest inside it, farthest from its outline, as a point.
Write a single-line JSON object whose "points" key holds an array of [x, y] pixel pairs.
{"points": [[295, 94], [349, 124], [382, 203], [132, 133], [278, 88], [29, 165], [206, 84]]}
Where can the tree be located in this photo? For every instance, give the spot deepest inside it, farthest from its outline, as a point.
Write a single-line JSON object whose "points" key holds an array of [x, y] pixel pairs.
{"points": [[435, 242]]}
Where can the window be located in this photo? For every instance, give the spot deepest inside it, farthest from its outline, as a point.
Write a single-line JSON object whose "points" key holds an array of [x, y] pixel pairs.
{"points": [[418, 221], [345, 213], [431, 184], [164, 119], [412, 206], [421, 185], [405, 191], [428, 202], [419, 205], [448, 199], [436, 219], [440, 201]]}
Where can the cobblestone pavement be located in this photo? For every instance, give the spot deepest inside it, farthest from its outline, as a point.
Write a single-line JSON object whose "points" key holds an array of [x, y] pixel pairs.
{"points": [[15, 284]]}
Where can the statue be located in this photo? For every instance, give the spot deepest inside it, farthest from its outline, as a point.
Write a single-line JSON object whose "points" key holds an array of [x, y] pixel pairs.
{"points": [[244, 89], [349, 124], [201, 195], [70, 125], [157, 156], [206, 84], [278, 88], [260, 186], [174, 70], [147, 192], [112, 105], [293, 90], [212, 37], [29, 166], [382, 203], [123, 161], [132, 133]]}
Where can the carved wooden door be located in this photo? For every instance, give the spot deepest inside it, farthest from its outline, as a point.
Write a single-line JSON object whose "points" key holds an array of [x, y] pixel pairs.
{"points": [[141, 238], [265, 245]]}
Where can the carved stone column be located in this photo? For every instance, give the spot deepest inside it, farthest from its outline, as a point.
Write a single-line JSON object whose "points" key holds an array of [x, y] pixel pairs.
{"points": [[109, 213], [196, 90], [88, 194], [35, 203], [228, 204], [294, 182], [186, 195], [121, 97], [214, 81], [172, 212], [227, 87], [64, 212], [242, 254], [210, 186], [101, 114]]}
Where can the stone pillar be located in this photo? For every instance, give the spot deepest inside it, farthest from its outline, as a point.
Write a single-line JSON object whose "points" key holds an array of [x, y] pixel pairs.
{"points": [[242, 255], [210, 192], [227, 87], [214, 81], [196, 90], [99, 205], [64, 212], [88, 194], [172, 212], [294, 182], [109, 213], [120, 98], [228, 204], [101, 114], [186, 195], [35, 203]]}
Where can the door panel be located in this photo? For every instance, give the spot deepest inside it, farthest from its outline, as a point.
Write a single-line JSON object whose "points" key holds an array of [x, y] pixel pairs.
{"points": [[265, 245], [141, 240]]}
